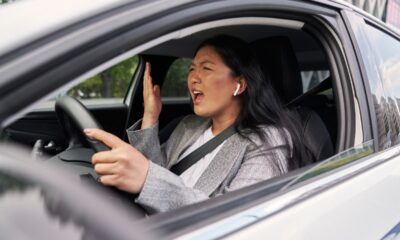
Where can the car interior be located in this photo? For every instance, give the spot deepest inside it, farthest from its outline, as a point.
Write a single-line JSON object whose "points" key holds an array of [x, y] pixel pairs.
{"points": [[284, 57], [294, 59]]}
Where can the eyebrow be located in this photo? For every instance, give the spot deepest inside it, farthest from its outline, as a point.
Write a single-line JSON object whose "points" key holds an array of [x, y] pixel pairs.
{"points": [[203, 62]]}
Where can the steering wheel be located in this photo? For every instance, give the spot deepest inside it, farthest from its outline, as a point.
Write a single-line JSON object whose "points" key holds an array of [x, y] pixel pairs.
{"points": [[74, 118]]}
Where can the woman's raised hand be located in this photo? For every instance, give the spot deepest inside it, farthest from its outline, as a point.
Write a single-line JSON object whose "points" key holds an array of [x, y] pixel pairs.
{"points": [[123, 166], [151, 98]]}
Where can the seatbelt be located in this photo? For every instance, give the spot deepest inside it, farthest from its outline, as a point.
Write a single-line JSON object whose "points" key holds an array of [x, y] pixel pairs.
{"points": [[200, 152]]}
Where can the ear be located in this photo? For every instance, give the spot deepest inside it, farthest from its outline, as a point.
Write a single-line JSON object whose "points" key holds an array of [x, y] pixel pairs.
{"points": [[243, 85]]}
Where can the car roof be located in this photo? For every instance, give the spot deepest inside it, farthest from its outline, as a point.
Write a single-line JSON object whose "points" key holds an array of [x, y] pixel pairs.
{"points": [[346, 5], [25, 21]]}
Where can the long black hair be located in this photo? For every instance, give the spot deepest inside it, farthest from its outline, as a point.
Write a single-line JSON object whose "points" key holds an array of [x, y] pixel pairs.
{"points": [[260, 103]]}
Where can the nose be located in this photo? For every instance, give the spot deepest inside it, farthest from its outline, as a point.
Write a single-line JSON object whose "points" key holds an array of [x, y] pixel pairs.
{"points": [[193, 77]]}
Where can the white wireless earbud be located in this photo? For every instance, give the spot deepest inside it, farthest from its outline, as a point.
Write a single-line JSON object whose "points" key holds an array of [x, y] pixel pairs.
{"points": [[237, 90]]}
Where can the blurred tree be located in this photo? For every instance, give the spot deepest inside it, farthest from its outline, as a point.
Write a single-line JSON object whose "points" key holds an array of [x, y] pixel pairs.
{"points": [[175, 82], [111, 83], [114, 82], [6, 1]]}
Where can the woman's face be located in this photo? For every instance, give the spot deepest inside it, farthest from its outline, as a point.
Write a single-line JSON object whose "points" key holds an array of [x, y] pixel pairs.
{"points": [[211, 85]]}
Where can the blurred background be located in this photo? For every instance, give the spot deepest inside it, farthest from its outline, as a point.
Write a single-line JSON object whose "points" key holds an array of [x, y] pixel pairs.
{"points": [[386, 10]]}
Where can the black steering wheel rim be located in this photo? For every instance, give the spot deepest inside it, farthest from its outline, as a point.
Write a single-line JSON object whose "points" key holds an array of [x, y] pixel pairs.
{"points": [[74, 117]]}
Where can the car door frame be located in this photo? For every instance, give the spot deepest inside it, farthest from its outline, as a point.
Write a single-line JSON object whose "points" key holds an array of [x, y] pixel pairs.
{"points": [[357, 21], [192, 13]]}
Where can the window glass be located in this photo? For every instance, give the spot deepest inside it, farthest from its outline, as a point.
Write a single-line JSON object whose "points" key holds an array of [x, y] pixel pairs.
{"points": [[311, 79], [111, 84], [175, 82], [386, 50], [107, 87]]}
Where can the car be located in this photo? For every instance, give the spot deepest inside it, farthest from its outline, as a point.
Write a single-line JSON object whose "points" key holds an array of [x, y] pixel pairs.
{"points": [[326, 58]]}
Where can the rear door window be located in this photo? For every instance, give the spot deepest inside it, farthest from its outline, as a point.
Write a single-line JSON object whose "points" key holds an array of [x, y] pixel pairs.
{"points": [[386, 48]]}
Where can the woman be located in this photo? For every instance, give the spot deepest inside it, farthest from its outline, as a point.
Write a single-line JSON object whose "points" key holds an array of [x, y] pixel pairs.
{"points": [[227, 88]]}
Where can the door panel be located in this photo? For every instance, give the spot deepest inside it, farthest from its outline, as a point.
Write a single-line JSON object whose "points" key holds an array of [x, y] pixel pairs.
{"points": [[44, 125]]}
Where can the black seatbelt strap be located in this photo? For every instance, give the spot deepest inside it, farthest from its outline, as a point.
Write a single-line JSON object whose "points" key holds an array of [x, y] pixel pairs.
{"points": [[200, 152]]}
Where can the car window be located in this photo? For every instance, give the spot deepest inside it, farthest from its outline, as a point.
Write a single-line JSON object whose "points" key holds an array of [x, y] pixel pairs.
{"points": [[312, 78], [105, 88], [175, 81], [386, 50], [110, 85]]}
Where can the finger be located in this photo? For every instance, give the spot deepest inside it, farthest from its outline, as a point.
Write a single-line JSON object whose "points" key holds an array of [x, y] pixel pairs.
{"points": [[145, 80], [104, 157], [107, 138], [109, 180], [149, 78], [105, 168], [148, 85], [156, 90], [149, 67]]}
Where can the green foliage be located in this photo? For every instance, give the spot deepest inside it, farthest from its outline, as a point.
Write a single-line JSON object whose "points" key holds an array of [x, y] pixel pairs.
{"points": [[111, 83], [114, 82], [6, 1], [175, 82]]}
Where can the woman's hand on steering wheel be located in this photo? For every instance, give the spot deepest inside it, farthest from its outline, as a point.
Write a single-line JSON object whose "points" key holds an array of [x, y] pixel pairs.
{"points": [[151, 99], [123, 166]]}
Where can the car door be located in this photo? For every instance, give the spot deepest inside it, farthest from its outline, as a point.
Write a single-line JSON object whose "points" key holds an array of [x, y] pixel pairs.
{"points": [[39, 201], [138, 29]]}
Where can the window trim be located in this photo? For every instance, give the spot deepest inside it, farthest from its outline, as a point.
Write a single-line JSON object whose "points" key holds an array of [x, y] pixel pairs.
{"points": [[334, 56]]}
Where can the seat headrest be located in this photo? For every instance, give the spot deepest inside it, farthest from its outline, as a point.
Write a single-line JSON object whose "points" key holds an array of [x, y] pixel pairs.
{"points": [[278, 62], [315, 135]]}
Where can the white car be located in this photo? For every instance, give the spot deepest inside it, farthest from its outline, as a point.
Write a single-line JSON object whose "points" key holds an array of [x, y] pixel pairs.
{"points": [[328, 57]]}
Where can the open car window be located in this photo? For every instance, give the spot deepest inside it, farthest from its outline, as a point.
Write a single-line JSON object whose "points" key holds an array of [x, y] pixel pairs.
{"points": [[111, 84]]}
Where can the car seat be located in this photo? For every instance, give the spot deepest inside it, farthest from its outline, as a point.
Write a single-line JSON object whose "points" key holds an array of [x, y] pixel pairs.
{"points": [[278, 62]]}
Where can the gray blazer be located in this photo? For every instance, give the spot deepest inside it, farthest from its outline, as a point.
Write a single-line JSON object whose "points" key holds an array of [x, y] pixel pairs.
{"points": [[239, 163]]}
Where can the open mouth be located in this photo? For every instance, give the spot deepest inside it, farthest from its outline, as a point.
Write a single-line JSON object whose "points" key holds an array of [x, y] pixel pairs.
{"points": [[197, 96]]}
